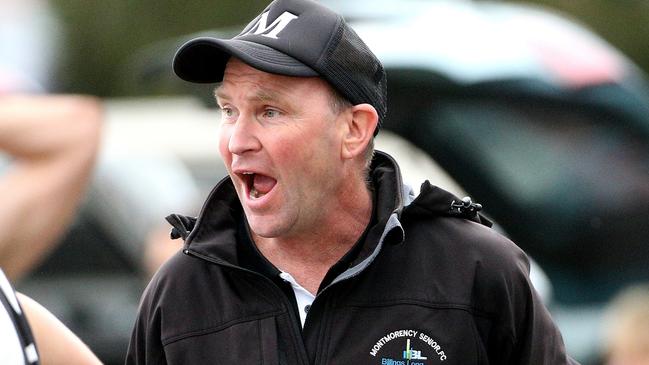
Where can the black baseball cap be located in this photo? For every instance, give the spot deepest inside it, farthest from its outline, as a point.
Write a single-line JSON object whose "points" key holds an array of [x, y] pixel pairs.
{"points": [[293, 38]]}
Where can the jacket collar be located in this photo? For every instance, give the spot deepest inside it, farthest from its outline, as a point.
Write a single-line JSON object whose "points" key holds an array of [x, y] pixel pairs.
{"points": [[214, 233]]}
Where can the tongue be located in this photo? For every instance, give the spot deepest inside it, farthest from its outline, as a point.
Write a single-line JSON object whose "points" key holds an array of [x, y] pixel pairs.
{"points": [[263, 184]]}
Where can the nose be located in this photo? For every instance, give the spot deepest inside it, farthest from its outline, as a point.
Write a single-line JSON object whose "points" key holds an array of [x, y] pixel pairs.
{"points": [[243, 136]]}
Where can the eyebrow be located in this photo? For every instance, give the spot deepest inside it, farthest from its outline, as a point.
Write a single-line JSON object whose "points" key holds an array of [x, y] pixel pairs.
{"points": [[218, 91], [260, 94], [266, 95]]}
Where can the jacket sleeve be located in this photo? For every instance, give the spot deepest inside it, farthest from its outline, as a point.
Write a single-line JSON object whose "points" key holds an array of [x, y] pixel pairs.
{"points": [[521, 330], [146, 344], [535, 337]]}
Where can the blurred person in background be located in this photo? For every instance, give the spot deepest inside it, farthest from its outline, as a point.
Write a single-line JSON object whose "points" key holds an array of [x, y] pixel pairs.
{"points": [[627, 327], [30, 334], [30, 40], [52, 142], [48, 144], [312, 250]]}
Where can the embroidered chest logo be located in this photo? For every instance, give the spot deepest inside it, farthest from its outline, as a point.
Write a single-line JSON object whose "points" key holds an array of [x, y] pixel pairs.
{"points": [[407, 347]]}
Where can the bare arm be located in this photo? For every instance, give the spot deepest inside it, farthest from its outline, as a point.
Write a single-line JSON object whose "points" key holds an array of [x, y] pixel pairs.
{"points": [[56, 344], [53, 141]]}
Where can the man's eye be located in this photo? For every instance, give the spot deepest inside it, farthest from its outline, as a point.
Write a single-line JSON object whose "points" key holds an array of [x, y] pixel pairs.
{"points": [[227, 112], [270, 113]]}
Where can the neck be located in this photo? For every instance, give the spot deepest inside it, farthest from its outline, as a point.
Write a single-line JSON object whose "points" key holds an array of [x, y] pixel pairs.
{"points": [[308, 256]]}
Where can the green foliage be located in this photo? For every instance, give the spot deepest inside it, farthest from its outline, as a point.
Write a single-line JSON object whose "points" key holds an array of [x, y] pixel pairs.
{"points": [[103, 37]]}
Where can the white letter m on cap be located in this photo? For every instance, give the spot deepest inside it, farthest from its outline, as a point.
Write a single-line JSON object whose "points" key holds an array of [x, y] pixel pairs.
{"points": [[272, 30]]}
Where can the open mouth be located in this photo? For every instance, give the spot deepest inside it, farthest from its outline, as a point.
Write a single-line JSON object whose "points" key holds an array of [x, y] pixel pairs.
{"points": [[258, 185]]}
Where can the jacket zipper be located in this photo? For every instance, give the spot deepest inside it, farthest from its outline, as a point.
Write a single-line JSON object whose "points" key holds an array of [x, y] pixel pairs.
{"points": [[296, 333]]}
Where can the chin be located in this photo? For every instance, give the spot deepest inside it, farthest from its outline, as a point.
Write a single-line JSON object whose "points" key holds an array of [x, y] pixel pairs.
{"points": [[275, 224], [261, 227]]}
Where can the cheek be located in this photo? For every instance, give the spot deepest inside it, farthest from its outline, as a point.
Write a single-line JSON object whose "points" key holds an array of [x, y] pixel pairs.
{"points": [[294, 150], [308, 160], [224, 140]]}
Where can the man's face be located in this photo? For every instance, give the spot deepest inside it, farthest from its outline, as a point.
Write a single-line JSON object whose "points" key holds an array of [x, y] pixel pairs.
{"points": [[281, 146]]}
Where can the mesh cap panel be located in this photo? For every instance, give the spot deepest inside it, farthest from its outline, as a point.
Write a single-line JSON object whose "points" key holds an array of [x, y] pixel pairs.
{"points": [[355, 71]]}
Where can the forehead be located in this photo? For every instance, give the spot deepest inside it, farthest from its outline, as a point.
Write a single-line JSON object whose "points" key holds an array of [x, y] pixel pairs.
{"points": [[240, 76]]}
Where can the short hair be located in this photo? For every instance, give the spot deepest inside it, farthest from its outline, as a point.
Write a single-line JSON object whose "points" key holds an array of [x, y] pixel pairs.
{"points": [[339, 103]]}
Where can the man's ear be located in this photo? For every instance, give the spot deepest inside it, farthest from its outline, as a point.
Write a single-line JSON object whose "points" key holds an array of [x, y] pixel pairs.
{"points": [[360, 130]]}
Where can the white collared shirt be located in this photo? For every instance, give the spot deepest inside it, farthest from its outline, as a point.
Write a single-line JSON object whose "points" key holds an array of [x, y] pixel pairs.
{"points": [[303, 297]]}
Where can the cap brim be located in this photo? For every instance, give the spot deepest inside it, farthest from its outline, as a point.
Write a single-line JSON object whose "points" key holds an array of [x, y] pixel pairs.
{"points": [[203, 60]]}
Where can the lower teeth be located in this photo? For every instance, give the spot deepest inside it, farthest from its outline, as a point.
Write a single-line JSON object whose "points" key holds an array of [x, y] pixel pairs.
{"points": [[254, 193]]}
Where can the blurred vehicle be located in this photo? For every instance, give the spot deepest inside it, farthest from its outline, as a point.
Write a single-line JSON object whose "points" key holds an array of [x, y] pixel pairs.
{"points": [[540, 120], [535, 117]]}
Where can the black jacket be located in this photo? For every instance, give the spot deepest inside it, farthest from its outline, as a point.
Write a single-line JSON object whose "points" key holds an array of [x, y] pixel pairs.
{"points": [[428, 284]]}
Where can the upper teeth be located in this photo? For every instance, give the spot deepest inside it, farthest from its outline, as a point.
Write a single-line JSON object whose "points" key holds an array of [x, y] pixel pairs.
{"points": [[248, 173]]}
